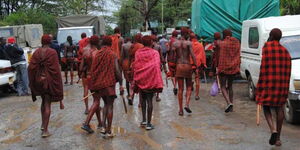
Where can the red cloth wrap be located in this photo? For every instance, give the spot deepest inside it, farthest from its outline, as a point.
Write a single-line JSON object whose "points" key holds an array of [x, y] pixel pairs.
{"points": [[229, 56], [146, 68], [274, 78], [199, 53], [103, 69], [53, 74]]}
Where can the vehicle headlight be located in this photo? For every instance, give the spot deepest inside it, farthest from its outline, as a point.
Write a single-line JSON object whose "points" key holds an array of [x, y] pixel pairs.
{"points": [[297, 84]]}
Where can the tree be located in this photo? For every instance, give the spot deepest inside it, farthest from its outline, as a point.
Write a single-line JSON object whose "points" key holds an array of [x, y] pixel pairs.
{"points": [[144, 7], [289, 7]]}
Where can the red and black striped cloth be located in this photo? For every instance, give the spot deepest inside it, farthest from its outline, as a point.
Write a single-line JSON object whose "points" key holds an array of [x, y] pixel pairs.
{"points": [[229, 56], [274, 78]]}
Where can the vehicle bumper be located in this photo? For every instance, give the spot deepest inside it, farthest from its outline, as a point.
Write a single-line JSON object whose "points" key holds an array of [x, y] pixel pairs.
{"points": [[7, 78], [294, 98]]}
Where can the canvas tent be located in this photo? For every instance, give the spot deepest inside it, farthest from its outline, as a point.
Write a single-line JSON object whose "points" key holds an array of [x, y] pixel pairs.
{"points": [[82, 20], [209, 16]]}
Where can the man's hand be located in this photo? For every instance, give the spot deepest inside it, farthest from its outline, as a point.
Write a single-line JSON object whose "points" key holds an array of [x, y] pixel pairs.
{"points": [[121, 90]]}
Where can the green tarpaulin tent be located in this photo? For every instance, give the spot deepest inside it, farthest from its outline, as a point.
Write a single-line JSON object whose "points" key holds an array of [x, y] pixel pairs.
{"points": [[210, 16]]}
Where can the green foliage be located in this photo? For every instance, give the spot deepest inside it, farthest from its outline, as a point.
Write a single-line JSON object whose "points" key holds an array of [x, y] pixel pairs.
{"points": [[128, 17], [289, 7], [32, 16]]}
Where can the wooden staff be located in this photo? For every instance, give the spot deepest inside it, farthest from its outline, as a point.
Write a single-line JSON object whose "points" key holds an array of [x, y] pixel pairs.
{"points": [[258, 109], [88, 96], [218, 79], [124, 103]]}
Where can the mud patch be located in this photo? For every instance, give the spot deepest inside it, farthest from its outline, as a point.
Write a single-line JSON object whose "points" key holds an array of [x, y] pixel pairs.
{"points": [[220, 127], [13, 140], [186, 132]]}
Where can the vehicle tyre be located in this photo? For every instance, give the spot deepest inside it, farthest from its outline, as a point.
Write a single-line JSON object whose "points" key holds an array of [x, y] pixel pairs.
{"points": [[290, 114], [251, 88]]}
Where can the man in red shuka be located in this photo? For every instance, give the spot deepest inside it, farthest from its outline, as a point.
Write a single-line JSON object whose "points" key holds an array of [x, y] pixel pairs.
{"points": [[228, 66], [147, 78], [105, 73], [85, 67], [45, 80], [274, 82], [198, 50], [135, 46]]}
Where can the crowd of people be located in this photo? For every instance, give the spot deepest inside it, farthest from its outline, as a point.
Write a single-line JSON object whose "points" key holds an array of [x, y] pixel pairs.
{"points": [[103, 61]]}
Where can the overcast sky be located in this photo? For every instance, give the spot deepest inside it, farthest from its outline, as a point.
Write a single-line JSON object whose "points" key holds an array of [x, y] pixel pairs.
{"points": [[110, 7]]}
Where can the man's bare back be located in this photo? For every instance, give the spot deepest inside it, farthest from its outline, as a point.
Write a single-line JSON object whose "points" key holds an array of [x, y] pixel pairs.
{"points": [[125, 50], [184, 51]]}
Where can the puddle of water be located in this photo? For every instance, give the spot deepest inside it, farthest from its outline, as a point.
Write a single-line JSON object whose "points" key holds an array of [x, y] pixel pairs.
{"points": [[186, 132]]}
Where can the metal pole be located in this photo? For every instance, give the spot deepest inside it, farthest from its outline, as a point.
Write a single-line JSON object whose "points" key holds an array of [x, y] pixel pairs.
{"points": [[162, 17]]}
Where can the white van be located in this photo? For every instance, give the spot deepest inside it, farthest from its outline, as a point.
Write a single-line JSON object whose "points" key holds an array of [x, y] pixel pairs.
{"points": [[254, 35]]}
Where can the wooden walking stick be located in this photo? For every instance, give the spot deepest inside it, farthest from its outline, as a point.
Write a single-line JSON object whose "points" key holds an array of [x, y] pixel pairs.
{"points": [[258, 109], [123, 99], [88, 96]]}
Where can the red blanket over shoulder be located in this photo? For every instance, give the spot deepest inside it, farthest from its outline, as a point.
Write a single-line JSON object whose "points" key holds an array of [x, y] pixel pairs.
{"points": [[53, 74]]}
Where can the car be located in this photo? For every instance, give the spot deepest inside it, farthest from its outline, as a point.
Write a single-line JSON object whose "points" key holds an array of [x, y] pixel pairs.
{"points": [[254, 35], [7, 75]]}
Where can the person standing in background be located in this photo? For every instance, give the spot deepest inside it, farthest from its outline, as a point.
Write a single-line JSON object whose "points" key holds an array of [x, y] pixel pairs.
{"points": [[18, 61]]}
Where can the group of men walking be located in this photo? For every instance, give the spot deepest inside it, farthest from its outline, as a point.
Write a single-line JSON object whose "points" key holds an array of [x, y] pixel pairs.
{"points": [[103, 61]]}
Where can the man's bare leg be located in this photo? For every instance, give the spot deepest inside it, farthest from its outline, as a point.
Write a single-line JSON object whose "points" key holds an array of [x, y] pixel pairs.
{"points": [[66, 75], [269, 119], [110, 108], [180, 95], [47, 112], [174, 81], [43, 114], [188, 95], [224, 89], [279, 122], [85, 93], [72, 73], [197, 80], [144, 109], [157, 97], [230, 89], [104, 113], [128, 89], [94, 108]]}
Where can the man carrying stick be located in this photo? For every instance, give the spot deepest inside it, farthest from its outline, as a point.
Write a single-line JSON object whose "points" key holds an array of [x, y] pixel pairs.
{"points": [[85, 68], [273, 84], [171, 58], [135, 46], [228, 66], [105, 73]]}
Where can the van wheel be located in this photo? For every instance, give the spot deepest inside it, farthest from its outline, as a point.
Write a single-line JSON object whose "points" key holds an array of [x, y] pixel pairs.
{"points": [[251, 88], [290, 114]]}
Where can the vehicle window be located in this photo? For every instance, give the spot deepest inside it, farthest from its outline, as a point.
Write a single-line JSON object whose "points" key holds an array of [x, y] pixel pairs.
{"points": [[292, 44], [6, 32], [74, 33], [35, 34], [253, 40]]}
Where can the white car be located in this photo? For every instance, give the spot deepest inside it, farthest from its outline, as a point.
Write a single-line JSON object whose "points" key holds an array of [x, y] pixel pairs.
{"points": [[254, 35], [7, 75]]}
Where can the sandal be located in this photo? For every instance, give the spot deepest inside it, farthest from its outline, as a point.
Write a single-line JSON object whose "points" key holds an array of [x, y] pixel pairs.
{"points": [[45, 135], [149, 127], [87, 128], [187, 109], [180, 113], [175, 91], [197, 98], [273, 138], [229, 108], [158, 99], [143, 124]]}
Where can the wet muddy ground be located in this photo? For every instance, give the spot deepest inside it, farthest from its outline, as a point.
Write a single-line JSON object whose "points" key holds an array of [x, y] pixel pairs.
{"points": [[207, 128]]}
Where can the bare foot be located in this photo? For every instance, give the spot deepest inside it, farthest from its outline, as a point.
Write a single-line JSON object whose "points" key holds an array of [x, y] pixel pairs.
{"points": [[62, 106]]}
